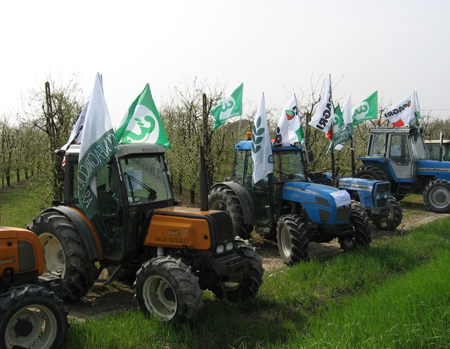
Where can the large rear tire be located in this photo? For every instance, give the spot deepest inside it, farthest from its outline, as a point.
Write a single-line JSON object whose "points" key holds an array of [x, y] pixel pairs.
{"points": [[246, 286], [65, 254], [32, 317], [362, 233], [371, 172], [436, 196], [394, 218], [167, 288], [293, 239], [224, 199]]}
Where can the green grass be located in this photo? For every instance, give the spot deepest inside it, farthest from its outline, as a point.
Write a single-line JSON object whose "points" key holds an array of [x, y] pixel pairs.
{"points": [[393, 294]]}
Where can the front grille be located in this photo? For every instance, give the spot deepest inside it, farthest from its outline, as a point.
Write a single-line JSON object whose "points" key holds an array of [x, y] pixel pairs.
{"points": [[343, 213], [382, 191], [223, 226], [381, 202]]}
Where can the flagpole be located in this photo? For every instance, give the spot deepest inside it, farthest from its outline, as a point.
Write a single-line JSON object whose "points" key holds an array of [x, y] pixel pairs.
{"points": [[352, 152]]}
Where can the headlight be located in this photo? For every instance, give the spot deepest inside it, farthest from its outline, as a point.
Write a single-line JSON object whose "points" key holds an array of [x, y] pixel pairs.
{"points": [[229, 246], [220, 249]]}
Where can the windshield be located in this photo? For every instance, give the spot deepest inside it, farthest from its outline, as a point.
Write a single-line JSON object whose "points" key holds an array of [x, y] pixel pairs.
{"points": [[146, 179], [418, 149], [288, 166]]}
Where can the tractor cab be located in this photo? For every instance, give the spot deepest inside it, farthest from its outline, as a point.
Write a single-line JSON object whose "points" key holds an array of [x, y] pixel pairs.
{"points": [[135, 182]]}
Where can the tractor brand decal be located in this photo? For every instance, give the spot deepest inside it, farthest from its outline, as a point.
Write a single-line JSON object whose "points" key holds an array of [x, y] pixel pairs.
{"points": [[7, 260], [301, 190], [434, 169], [356, 186]]}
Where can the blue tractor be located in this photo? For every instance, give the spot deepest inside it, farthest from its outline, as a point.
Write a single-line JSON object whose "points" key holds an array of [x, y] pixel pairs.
{"points": [[287, 206], [399, 155]]}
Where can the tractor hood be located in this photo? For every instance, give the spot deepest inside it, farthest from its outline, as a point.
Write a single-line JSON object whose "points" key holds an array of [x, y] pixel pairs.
{"points": [[441, 169], [324, 204]]}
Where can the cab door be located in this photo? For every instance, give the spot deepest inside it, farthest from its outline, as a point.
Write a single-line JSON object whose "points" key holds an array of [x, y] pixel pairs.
{"points": [[400, 157]]}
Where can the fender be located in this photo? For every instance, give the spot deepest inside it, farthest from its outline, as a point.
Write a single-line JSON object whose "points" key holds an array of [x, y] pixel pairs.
{"points": [[248, 208], [84, 226]]}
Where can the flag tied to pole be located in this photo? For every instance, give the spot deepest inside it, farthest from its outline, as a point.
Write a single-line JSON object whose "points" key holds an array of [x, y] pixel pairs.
{"points": [[405, 112], [343, 128], [228, 108], [98, 146], [322, 118], [289, 128], [366, 110], [142, 123], [261, 145]]}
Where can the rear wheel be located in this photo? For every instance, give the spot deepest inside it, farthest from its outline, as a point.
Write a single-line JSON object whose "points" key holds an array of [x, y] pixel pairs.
{"points": [[244, 286], [224, 199], [32, 317], [293, 239], [65, 254], [371, 172], [394, 217], [167, 288], [436, 196], [362, 234]]}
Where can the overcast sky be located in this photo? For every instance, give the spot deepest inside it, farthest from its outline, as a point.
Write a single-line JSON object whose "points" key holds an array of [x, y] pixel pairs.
{"points": [[278, 47]]}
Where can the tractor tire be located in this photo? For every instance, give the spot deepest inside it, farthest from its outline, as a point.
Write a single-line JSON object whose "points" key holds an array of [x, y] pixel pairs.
{"points": [[246, 286], [361, 228], [32, 317], [65, 254], [371, 172], [224, 199], [167, 288], [293, 239], [394, 218], [436, 196]]}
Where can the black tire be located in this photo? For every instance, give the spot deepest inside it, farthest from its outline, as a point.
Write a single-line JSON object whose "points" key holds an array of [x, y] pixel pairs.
{"points": [[65, 253], [371, 172], [293, 239], [167, 288], [394, 218], [246, 286], [436, 196], [32, 317], [225, 199], [361, 228]]}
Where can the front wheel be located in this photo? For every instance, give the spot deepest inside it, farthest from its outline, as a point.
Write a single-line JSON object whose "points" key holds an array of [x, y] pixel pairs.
{"points": [[361, 228], [245, 286], [167, 288], [436, 196], [394, 217], [293, 239], [32, 317]]}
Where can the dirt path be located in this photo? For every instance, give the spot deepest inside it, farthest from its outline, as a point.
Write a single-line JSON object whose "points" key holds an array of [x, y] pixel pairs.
{"points": [[103, 300]]}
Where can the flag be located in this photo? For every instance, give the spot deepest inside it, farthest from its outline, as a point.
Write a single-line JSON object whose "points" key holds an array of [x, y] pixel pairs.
{"points": [[77, 130], [261, 145], [228, 108], [405, 112], [366, 110], [98, 145], [142, 123], [322, 118], [344, 129], [289, 128]]}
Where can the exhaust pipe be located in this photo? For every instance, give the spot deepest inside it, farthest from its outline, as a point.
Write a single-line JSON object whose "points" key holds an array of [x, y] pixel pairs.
{"points": [[203, 184]]}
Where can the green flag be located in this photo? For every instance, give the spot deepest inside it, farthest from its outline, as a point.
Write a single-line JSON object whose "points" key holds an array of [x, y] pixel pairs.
{"points": [[142, 123], [366, 110], [228, 108]]}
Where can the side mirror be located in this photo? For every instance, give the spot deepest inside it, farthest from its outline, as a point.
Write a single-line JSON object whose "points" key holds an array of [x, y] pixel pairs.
{"points": [[309, 156]]}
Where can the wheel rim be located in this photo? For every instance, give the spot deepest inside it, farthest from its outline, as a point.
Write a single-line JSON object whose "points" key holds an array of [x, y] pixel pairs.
{"points": [[159, 297], [33, 326], [285, 242], [439, 197], [219, 206], [55, 260]]}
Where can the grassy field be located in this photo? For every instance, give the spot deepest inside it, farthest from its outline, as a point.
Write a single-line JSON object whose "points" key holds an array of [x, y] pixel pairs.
{"points": [[394, 294]]}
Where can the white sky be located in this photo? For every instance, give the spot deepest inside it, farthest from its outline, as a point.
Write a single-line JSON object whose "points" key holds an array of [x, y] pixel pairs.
{"points": [[277, 47]]}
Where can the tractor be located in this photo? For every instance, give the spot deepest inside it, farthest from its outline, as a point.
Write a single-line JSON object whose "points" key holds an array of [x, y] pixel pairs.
{"points": [[287, 206], [31, 313], [140, 233], [399, 156]]}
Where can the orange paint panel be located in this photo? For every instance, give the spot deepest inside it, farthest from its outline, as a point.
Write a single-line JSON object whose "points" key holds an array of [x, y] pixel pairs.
{"points": [[94, 232], [176, 232]]}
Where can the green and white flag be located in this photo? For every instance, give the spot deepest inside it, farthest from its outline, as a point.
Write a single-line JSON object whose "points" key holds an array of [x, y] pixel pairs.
{"points": [[289, 128], [228, 108], [366, 110], [344, 129], [98, 145], [261, 144], [142, 123]]}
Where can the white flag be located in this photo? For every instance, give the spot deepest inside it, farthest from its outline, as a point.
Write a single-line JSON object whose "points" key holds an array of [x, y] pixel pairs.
{"points": [[289, 128], [322, 118], [404, 113], [77, 130], [261, 145], [98, 145]]}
